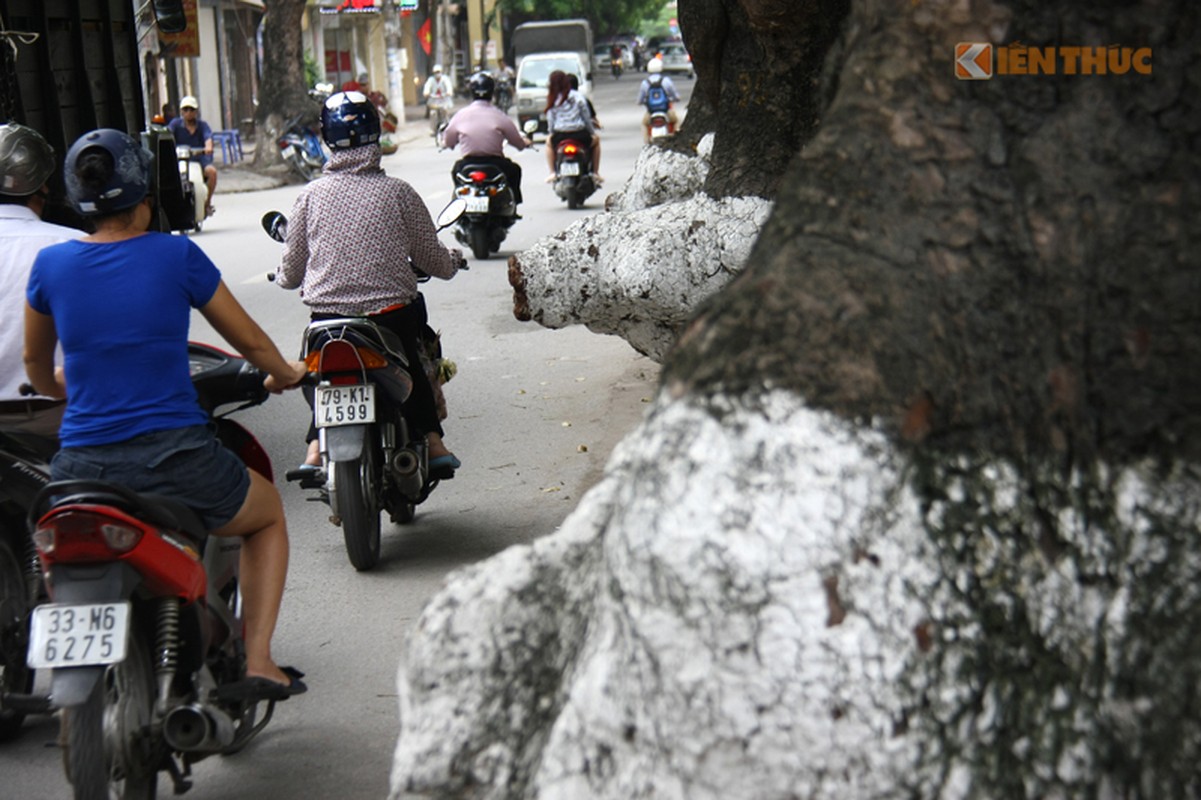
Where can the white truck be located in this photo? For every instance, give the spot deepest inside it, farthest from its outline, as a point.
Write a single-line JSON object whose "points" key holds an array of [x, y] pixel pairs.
{"points": [[540, 48]]}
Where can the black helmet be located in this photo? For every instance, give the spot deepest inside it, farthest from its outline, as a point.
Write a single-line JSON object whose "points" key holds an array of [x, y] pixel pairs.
{"points": [[482, 86], [348, 119], [26, 160], [127, 179]]}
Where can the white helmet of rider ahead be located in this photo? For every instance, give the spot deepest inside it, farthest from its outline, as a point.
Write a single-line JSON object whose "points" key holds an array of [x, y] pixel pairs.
{"points": [[437, 68], [654, 65]]}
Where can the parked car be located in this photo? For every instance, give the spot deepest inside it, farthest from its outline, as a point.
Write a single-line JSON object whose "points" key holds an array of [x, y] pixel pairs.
{"points": [[533, 80], [676, 60]]}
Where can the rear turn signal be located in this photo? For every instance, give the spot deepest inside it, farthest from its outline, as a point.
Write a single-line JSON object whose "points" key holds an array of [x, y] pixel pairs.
{"points": [[84, 536]]}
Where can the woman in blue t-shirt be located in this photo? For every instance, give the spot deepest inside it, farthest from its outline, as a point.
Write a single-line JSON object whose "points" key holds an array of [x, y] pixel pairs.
{"points": [[120, 302]]}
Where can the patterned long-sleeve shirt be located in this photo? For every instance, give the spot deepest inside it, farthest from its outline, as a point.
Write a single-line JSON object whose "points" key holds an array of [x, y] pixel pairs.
{"points": [[350, 237]]}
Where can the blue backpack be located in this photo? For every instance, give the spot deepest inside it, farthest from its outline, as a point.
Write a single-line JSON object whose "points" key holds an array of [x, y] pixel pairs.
{"points": [[656, 95]]}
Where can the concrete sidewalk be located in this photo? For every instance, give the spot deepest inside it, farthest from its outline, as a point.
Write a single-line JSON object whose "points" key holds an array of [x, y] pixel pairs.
{"points": [[240, 177]]}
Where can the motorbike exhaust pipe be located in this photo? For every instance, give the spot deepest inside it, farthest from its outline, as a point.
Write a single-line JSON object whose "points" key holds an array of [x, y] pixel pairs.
{"points": [[198, 728], [406, 462]]}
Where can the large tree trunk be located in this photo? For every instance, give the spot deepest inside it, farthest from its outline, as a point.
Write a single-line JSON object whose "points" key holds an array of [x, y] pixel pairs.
{"points": [[916, 511], [282, 93]]}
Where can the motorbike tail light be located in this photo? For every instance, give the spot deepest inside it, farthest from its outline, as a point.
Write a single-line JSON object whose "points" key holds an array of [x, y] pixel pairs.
{"points": [[342, 356], [478, 177], [570, 149], [84, 536]]}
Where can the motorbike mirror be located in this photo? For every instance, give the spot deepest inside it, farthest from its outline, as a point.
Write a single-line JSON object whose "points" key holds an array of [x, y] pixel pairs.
{"points": [[530, 126], [276, 225], [450, 215]]}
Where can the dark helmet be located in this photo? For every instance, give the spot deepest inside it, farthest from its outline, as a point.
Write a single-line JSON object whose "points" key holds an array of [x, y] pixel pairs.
{"points": [[348, 119], [482, 86], [26, 160], [127, 179]]}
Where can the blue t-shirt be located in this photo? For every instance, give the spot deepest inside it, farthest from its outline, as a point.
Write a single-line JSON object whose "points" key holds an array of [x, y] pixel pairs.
{"points": [[203, 134], [121, 311]]}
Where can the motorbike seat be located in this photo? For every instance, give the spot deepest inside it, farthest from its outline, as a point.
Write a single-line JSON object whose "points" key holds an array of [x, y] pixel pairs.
{"points": [[158, 510]]}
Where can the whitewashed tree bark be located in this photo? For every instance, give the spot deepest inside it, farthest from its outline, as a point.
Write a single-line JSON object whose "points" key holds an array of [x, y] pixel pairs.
{"points": [[915, 513]]}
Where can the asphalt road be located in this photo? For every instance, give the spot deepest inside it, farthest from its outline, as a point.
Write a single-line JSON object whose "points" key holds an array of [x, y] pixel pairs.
{"points": [[534, 414]]}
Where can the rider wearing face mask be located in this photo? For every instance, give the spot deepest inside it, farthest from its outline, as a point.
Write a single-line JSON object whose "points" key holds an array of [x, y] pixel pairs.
{"points": [[350, 239]]}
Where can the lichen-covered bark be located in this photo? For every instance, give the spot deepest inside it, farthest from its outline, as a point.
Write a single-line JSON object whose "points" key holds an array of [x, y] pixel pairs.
{"points": [[1009, 264], [759, 85], [916, 512]]}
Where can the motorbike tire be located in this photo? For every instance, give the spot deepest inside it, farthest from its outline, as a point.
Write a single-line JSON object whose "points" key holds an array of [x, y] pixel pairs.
{"points": [[299, 166], [479, 242], [15, 676], [358, 508], [574, 200], [106, 752]]}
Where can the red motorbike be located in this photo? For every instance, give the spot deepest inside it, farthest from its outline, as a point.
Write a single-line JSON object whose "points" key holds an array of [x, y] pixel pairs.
{"points": [[143, 634]]}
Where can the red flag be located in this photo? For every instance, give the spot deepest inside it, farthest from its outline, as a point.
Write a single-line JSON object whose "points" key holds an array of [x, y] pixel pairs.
{"points": [[423, 36]]}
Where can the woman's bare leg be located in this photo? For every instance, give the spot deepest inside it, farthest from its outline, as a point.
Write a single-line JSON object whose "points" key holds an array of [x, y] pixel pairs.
{"points": [[263, 571]]}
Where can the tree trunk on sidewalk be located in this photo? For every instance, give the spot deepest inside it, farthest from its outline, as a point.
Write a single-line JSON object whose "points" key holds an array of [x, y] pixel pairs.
{"points": [[916, 511], [282, 93]]}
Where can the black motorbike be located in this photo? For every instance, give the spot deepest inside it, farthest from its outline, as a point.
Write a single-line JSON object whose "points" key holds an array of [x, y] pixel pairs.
{"points": [[373, 458], [491, 208], [24, 471], [573, 170]]}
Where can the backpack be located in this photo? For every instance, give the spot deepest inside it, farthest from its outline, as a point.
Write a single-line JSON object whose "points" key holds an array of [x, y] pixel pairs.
{"points": [[656, 96]]}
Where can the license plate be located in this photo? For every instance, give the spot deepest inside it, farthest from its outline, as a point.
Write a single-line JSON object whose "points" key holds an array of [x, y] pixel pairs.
{"points": [[477, 204], [63, 635], [569, 168], [344, 405], [658, 131]]}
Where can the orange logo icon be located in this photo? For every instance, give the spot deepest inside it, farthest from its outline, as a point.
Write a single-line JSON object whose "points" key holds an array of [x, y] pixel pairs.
{"points": [[973, 61]]}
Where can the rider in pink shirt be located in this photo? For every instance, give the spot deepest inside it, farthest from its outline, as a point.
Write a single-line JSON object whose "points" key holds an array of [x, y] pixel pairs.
{"points": [[481, 130]]}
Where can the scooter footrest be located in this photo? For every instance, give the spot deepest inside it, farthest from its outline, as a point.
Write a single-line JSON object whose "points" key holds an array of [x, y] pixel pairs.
{"points": [[27, 703]]}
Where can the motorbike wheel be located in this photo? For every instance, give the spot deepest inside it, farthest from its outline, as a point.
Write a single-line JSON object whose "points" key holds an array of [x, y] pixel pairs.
{"points": [[479, 242], [573, 198], [108, 752], [15, 676], [298, 165], [357, 505]]}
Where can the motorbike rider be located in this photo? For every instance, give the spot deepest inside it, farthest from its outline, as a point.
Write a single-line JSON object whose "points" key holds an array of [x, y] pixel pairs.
{"points": [[120, 301], [482, 130], [26, 164], [656, 79], [439, 95], [566, 114], [188, 128], [350, 239], [505, 78]]}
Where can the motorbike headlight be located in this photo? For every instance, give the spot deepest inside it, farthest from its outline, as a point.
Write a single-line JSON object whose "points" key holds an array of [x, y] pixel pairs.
{"points": [[183, 151]]}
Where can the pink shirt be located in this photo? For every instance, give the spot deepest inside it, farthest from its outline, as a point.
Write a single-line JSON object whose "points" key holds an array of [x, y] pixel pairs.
{"points": [[482, 130]]}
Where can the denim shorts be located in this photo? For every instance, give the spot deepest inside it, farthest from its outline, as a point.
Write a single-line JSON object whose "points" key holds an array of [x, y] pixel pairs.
{"points": [[187, 464]]}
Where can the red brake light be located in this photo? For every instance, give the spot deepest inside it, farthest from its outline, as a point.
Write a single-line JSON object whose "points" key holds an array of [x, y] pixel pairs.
{"points": [[570, 149], [78, 535], [478, 176]]}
